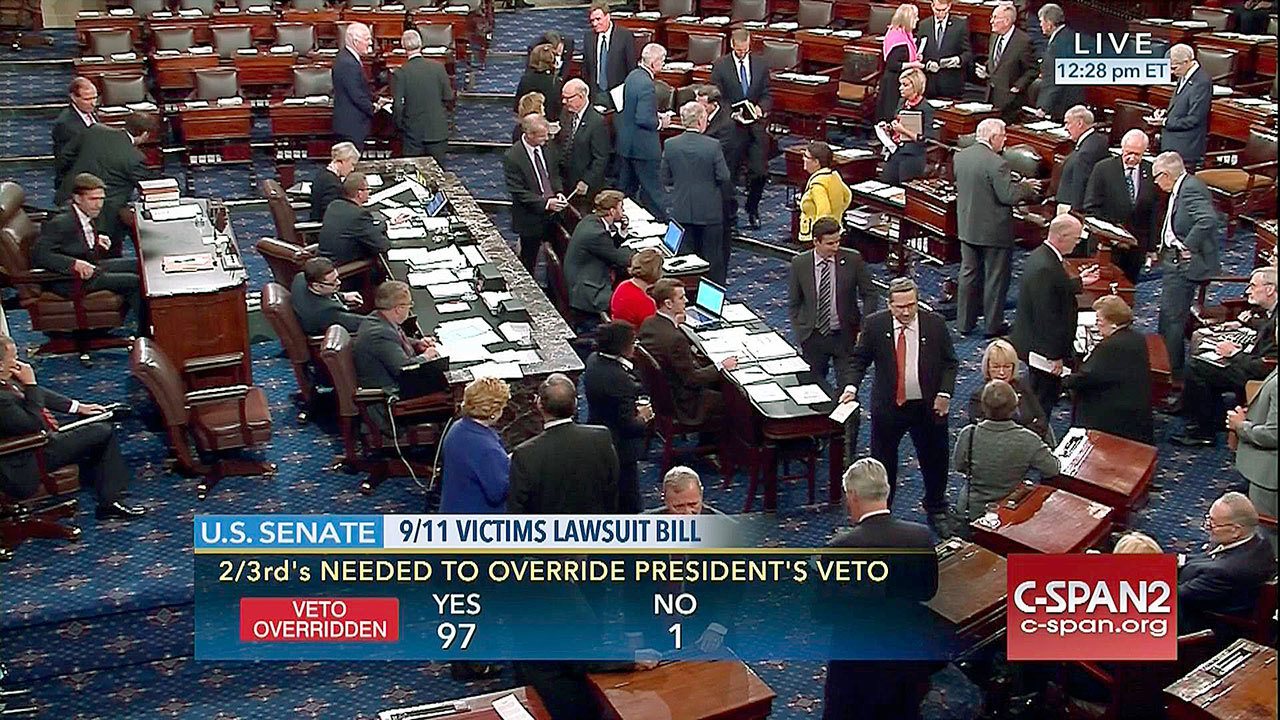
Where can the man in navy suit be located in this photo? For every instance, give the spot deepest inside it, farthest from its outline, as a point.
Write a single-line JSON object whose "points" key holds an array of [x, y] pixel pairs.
{"points": [[639, 151], [1053, 98], [532, 171], [1091, 148], [947, 50], [744, 75], [693, 165], [1122, 190], [615, 44], [353, 104], [1186, 121], [1226, 578]]}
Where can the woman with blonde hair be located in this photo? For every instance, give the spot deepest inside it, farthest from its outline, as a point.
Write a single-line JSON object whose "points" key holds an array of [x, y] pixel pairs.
{"points": [[900, 53], [907, 162], [475, 467], [530, 103], [1112, 388], [1000, 362], [825, 194], [1136, 543], [540, 76], [631, 301]]}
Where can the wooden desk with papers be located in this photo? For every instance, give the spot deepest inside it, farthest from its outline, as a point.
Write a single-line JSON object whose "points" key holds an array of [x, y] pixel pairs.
{"points": [[1238, 683], [960, 118], [855, 165], [1109, 469], [722, 690], [174, 70], [971, 595], [1233, 117], [1044, 519], [475, 707], [1111, 281]]}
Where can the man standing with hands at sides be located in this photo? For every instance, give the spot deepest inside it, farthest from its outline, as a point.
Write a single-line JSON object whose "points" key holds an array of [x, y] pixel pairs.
{"points": [[1188, 250], [946, 51], [613, 393], [984, 209], [1054, 98], [1122, 190], [422, 89], [1091, 147], [1186, 121], [744, 76], [1045, 327], [1011, 66], [74, 119], [608, 53], [639, 151], [915, 376], [353, 104], [584, 144], [532, 170], [693, 165]]}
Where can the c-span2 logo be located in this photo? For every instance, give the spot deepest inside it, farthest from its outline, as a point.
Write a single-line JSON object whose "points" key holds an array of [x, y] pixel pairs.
{"points": [[1093, 607]]}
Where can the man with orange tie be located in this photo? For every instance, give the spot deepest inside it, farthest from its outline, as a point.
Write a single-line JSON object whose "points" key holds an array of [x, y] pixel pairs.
{"points": [[911, 393]]}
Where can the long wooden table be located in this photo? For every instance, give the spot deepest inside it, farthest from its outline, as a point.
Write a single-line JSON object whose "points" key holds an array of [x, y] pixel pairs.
{"points": [[723, 690], [1238, 683]]}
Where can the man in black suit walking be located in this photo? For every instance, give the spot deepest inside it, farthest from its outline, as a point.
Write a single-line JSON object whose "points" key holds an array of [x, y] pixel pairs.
{"points": [[422, 90], [316, 301], [1054, 98], [592, 257], [1091, 147], [823, 292], [1122, 190], [74, 119], [612, 401], [915, 376], [612, 42], [532, 170], [947, 52], [351, 231], [568, 469], [1045, 327], [744, 76], [112, 155], [1011, 66], [693, 166], [584, 144], [1225, 579]]}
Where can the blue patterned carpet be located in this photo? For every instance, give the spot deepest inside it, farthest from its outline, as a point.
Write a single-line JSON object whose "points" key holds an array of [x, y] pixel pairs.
{"points": [[103, 628]]}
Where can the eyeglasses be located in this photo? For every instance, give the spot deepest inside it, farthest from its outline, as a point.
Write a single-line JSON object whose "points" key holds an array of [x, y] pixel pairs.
{"points": [[1209, 524]]}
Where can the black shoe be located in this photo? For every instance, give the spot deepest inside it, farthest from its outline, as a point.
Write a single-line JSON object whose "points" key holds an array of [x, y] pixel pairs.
{"points": [[1191, 439], [119, 510], [1000, 331], [754, 221]]}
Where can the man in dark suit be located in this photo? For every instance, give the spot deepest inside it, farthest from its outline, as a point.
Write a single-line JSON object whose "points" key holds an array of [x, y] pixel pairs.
{"points": [[693, 166], [693, 381], [637, 126], [419, 105], [592, 258], [1122, 190], [1186, 121], [1054, 99], [353, 104], [1230, 366], [1046, 322], [721, 127], [823, 291], [1091, 148], [915, 376], [74, 119], [612, 391], [26, 409], [1188, 243], [584, 144], [70, 244], [857, 689], [316, 301], [352, 231], [568, 469], [381, 349], [744, 76], [615, 44], [111, 155], [562, 47], [947, 52], [326, 185], [1011, 66], [532, 170], [984, 208], [1226, 578]]}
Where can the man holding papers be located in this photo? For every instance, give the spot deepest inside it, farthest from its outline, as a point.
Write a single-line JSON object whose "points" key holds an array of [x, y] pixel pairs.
{"points": [[943, 40], [1122, 190], [637, 125], [743, 79], [350, 230], [693, 381]]}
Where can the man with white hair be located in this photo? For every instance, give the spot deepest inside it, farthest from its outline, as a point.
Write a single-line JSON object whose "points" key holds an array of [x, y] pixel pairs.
{"points": [[1010, 67], [532, 171], [326, 184], [682, 492], [639, 151], [694, 167], [422, 89], [584, 144], [353, 104], [1122, 190], [1226, 578], [1091, 148], [1186, 120], [1054, 99]]}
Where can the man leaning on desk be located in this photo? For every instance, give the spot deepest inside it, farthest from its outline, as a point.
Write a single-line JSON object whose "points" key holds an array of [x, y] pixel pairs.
{"points": [[112, 155], [352, 231]]}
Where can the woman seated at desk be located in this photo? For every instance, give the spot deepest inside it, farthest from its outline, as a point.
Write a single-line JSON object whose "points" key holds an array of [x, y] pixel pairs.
{"points": [[825, 193], [1113, 386], [1000, 362], [907, 162]]}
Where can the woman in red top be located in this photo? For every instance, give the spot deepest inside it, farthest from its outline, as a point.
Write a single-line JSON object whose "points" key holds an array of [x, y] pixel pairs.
{"points": [[631, 301]]}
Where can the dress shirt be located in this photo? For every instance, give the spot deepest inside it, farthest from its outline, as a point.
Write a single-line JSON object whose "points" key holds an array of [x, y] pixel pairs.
{"points": [[873, 513], [1236, 544], [1135, 176], [1167, 238], [742, 66], [1002, 43], [1083, 135], [535, 154], [625, 363], [818, 263], [576, 122], [913, 356], [1190, 71], [87, 119], [86, 228]]}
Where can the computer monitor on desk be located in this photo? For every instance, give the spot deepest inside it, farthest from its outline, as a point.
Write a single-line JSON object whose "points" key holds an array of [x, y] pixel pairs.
{"points": [[436, 203], [708, 305]]}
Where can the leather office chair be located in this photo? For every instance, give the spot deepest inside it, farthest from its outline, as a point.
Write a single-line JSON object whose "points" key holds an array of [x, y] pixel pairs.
{"points": [[285, 260], [856, 92], [123, 89], [216, 420], [878, 18], [1134, 688], [419, 422], [670, 421], [288, 229], [302, 350], [309, 4], [781, 54], [1246, 186], [24, 519], [1222, 65], [215, 84], [144, 8], [686, 94], [105, 43], [1216, 17], [1258, 626], [815, 14], [173, 38], [642, 37], [204, 6], [664, 94], [300, 35], [741, 10], [437, 36], [675, 8], [1127, 115], [312, 80], [227, 39], [75, 322], [704, 49]]}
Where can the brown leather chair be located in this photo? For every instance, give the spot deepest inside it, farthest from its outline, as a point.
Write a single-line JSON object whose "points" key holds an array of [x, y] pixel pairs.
{"points": [[215, 420], [1243, 182], [172, 38], [704, 48], [302, 350], [419, 421], [215, 84], [859, 76], [781, 54], [75, 322], [1222, 65], [300, 35], [24, 519], [757, 10], [121, 89], [144, 8], [230, 39], [642, 37], [670, 421], [686, 94], [288, 229], [1259, 625], [204, 6], [105, 43], [675, 8], [312, 80], [815, 14], [437, 36], [285, 261], [1215, 16], [1134, 688]]}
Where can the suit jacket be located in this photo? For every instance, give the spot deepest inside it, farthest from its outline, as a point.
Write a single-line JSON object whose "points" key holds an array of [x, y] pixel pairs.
{"points": [[547, 83], [620, 61], [422, 89], [316, 313], [1053, 98], [693, 165], [568, 469], [946, 82], [611, 390], [588, 265], [637, 124], [987, 194], [1113, 388], [19, 473], [110, 154], [724, 73], [720, 127], [62, 243], [1197, 225], [325, 188], [352, 99], [1254, 363], [565, 58], [351, 232], [1256, 452], [586, 152], [852, 281], [1017, 69], [1224, 582], [1046, 320], [673, 351], [1186, 122], [529, 216], [1107, 196], [876, 345], [66, 128], [379, 355], [1089, 151]]}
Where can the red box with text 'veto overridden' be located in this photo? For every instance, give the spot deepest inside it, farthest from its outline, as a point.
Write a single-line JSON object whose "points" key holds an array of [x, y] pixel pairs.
{"points": [[1093, 607], [319, 620]]}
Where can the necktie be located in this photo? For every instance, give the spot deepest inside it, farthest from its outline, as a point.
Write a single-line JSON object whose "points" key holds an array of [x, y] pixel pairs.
{"points": [[90, 238], [742, 76], [540, 167], [602, 62], [573, 127], [942, 30], [995, 56], [824, 297], [1133, 185], [404, 342], [901, 352]]}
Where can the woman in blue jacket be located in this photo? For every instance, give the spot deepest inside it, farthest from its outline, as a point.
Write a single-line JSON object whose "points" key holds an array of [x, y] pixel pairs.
{"points": [[475, 471]]}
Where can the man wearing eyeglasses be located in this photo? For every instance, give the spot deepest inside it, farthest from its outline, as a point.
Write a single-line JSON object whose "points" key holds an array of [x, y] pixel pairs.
{"points": [[316, 301], [350, 230], [1186, 120], [382, 349], [1225, 579]]}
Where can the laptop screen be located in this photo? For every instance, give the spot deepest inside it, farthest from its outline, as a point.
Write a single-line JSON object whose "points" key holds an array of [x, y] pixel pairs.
{"points": [[673, 238], [436, 203], [710, 297]]}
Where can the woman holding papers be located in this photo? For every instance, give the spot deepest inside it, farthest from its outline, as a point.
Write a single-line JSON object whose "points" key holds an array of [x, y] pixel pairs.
{"points": [[474, 463], [1000, 362], [631, 300], [900, 53], [1113, 386], [825, 194], [908, 130]]}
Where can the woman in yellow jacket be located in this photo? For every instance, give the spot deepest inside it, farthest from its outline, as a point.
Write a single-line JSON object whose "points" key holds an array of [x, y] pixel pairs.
{"points": [[825, 195]]}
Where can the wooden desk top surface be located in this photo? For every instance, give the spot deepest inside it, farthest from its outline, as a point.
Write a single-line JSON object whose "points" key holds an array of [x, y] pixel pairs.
{"points": [[1050, 520], [1114, 463], [480, 707], [156, 240], [1247, 692], [971, 583], [685, 691]]}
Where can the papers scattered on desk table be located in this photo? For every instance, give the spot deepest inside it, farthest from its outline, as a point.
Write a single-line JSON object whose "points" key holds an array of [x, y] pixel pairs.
{"points": [[940, 103], [722, 347], [424, 259], [646, 229], [516, 331], [843, 411], [848, 34], [803, 79], [1042, 125], [200, 50], [230, 102], [635, 213], [431, 277], [175, 212], [448, 290], [716, 20], [448, 308], [473, 255], [749, 375], [493, 298], [973, 107], [463, 329], [785, 366], [1108, 227], [768, 345], [649, 15], [1218, 90], [678, 66], [785, 26], [509, 708], [195, 104], [766, 392], [853, 154], [187, 263], [808, 394], [1071, 444], [461, 351], [502, 371], [737, 312], [520, 357]]}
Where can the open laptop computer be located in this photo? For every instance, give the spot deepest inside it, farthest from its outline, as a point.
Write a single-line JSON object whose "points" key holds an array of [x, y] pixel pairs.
{"points": [[672, 239], [424, 378], [708, 304], [435, 203]]}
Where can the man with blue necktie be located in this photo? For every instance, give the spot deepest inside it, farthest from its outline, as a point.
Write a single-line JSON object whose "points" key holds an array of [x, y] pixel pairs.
{"points": [[744, 76], [608, 53]]}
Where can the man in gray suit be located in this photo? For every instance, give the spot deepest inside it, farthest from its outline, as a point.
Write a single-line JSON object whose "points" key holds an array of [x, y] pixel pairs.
{"points": [[694, 165], [316, 301], [986, 194], [112, 155], [418, 107], [1187, 243], [1186, 121], [381, 349], [1256, 454], [1011, 65], [592, 256]]}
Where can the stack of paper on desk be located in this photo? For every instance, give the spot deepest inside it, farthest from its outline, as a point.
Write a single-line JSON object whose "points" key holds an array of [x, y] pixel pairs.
{"points": [[448, 290], [766, 392], [737, 312], [785, 366], [502, 371], [439, 276], [749, 375], [808, 394], [515, 331], [634, 212]]}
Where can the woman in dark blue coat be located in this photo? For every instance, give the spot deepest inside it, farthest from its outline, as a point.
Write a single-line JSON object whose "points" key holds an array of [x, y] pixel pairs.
{"points": [[475, 464]]}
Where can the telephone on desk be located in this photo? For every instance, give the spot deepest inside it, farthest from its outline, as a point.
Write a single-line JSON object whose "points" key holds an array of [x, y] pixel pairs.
{"points": [[1019, 496]]}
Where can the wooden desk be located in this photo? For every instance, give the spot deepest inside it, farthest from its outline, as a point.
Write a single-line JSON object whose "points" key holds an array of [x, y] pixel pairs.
{"points": [[678, 35], [480, 707], [804, 107], [262, 25], [1247, 50], [1109, 469], [1047, 520], [1168, 31], [202, 124], [657, 29], [263, 74], [852, 169], [1048, 145], [197, 24], [957, 122], [931, 209], [1246, 692], [90, 20], [95, 69], [465, 33], [1264, 252], [325, 21], [1231, 120], [971, 595], [1106, 96], [821, 50], [1111, 281], [386, 25], [174, 73], [301, 120], [725, 690]]}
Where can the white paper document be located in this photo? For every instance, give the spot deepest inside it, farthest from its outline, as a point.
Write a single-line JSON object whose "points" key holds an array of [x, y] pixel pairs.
{"points": [[520, 357], [464, 352], [768, 345], [514, 331], [808, 394], [448, 290], [616, 95], [749, 375], [473, 255], [843, 411], [508, 707], [737, 312], [448, 308], [785, 366], [503, 371], [766, 392], [1044, 364]]}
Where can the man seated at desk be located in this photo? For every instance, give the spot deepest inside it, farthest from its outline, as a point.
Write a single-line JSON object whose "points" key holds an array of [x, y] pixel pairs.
{"points": [[351, 231], [1226, 578], [693, 382], [326, 186], [317, 302], [382, 349], [26, 408]]}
